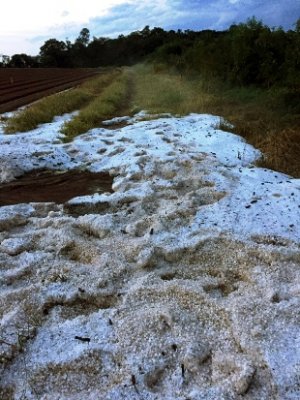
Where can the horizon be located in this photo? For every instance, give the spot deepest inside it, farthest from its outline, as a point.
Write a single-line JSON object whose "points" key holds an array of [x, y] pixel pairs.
{"points": [[64, 20]]}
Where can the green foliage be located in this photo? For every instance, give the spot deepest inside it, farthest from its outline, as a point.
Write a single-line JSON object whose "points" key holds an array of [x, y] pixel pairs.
{"points": [[23, 61], [297, 25], [247, 54], [84, 37], [104, 106], [54, 53]]}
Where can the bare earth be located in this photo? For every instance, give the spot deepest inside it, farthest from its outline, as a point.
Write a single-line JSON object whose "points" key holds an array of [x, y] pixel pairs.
{"points": [[20, 86]]}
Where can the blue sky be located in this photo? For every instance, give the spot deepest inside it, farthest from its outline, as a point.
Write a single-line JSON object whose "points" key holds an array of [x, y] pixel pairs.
{"points": [[25, 25]]}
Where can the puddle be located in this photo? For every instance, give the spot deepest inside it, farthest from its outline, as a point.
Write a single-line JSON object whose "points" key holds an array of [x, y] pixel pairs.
{"points": [[53, 186]]}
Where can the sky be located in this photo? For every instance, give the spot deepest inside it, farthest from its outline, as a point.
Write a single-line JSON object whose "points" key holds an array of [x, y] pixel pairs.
{"points": [[26, 25]]}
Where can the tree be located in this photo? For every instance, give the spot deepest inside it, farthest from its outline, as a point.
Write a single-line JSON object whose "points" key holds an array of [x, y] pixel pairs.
{"points": [[54, 53], [84, 37], [4, 60], [292, 58], [23, 61], [297, 25], [247, 55]]}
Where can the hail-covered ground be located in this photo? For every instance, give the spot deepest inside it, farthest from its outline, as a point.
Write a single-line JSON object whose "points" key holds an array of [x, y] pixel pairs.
{"points": [[183, 283]]}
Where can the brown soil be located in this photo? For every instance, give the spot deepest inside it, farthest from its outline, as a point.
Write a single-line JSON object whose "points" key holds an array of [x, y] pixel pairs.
{"points": [[20, 86], [57, 186]]}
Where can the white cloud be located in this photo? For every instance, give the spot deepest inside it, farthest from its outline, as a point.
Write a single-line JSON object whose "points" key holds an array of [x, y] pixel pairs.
{"points": [[17, 16], [22, 20]]}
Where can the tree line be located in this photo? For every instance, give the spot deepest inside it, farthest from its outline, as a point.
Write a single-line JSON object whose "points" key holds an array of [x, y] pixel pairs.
{"points": [[249, 53]]}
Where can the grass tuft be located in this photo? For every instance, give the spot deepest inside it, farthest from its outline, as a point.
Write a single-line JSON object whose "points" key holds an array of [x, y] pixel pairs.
{"points": [[104, 106]]}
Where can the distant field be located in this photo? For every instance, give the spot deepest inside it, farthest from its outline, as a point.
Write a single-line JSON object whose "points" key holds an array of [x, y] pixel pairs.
{"points": [[20, 86]]}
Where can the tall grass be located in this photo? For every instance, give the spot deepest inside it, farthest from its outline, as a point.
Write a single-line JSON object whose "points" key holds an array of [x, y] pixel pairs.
{"points": [[267, 119], [163, 91], [104, 106], [47, 108]]}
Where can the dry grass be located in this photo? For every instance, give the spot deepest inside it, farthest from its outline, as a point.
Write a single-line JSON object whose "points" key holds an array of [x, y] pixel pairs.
{"points": [[260, 116], [47, 108], [161, 92], [279, 145], [264, 121]]}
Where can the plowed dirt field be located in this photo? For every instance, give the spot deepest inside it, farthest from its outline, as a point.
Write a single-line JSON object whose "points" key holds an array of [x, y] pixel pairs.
{"points": [[20, 86]]}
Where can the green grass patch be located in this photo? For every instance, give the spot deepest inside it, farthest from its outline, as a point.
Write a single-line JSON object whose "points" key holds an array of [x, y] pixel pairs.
{"points": [[106, 105], [160, 92], [47, 108]]}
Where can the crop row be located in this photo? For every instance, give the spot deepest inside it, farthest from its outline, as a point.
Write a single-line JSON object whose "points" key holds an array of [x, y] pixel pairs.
{"points": [[21, 86]]}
